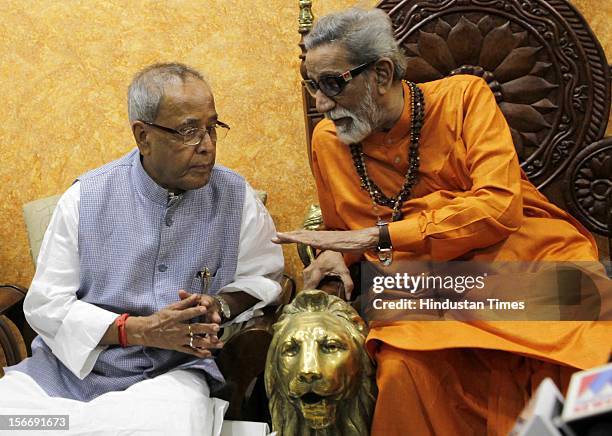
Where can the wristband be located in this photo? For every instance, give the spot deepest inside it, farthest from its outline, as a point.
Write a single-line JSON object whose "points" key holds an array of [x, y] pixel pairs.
{"points": [[122, 333]]}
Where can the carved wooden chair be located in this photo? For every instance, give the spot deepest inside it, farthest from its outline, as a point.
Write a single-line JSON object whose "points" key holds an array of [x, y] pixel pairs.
{"points": [[548, 73], [12, 345], [242, 360]]}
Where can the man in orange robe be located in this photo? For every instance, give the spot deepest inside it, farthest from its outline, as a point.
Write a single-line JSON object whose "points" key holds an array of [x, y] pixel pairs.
{"points": [[471, 202]]}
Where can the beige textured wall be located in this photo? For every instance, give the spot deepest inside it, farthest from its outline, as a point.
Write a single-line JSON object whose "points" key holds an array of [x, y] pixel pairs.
{"points": [[66, 64]]}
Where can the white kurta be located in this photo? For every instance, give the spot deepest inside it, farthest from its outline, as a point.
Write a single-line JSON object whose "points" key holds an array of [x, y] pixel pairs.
{"points": [[73, 329]]}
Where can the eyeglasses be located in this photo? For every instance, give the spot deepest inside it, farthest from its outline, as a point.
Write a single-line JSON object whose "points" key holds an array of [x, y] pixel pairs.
{"points": [[333, 85], [193, 136]]}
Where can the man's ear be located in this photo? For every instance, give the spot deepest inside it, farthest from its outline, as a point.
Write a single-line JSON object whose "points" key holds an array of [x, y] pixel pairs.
{"points": [[140, 135], [384, 74]]}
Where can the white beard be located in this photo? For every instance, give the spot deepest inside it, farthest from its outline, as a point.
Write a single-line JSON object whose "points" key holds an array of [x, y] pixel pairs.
{"points": [[364, 119]]}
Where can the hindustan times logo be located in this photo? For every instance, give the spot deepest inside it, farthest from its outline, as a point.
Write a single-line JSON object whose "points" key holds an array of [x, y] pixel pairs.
{"points": [[414, 283]]}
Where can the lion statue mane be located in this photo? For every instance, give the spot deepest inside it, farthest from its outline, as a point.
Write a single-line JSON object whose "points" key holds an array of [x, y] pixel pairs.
{"points": [[336, 399]]}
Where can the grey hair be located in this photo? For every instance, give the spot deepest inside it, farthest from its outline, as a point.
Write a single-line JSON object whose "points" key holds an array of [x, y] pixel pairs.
{"points": [[367, 36], [148, 85]]}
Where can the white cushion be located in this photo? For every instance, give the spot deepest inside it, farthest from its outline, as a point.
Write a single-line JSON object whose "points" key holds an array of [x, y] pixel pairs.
{"points": [[37, 215], [245, 428]]}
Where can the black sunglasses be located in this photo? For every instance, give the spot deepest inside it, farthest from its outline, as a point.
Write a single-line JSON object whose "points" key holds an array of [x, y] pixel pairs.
{"points": [[333, 85]]}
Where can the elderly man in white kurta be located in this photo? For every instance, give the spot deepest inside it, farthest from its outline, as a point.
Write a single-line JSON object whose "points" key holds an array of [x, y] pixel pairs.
{"points": [[144, 260]]}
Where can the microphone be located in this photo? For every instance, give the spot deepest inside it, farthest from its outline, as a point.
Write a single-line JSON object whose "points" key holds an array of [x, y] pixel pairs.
{"points": [[588, 408], [539, 417]]}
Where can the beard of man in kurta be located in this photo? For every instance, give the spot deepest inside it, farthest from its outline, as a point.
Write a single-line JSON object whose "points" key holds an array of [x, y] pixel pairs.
{"points": [[364, 119]]}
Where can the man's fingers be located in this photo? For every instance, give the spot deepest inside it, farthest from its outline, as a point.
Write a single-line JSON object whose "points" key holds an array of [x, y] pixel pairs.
{"points": [[206, 301], [202, 354], [341, 241], [190, 301], [280, 238], [184, 294], [215, 317], [312, 278], [284, 238], [207, 342], [212, 316], [201, 328], [308, 237], [189, 313], [348, 284]]}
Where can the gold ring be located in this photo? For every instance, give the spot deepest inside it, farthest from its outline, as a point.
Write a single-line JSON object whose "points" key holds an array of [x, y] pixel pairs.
{"points": [[190, 332], [191, 342]]}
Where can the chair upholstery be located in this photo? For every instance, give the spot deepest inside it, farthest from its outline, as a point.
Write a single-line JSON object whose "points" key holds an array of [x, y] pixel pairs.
{"points": [[37, 215]]}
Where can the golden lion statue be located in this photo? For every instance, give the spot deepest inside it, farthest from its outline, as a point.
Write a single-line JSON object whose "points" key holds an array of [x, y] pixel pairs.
{"points": [[319, 378]]}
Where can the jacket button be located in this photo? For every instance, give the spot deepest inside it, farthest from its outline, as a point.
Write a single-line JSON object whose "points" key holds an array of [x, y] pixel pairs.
{"points": [[162, 268]]}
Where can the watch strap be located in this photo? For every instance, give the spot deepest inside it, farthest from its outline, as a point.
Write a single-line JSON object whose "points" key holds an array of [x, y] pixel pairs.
{"points": [[384, 238], [384, 249]]}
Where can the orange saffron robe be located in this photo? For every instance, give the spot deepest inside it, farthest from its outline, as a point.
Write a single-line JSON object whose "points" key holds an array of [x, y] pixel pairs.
{"points": [[471, 202]]}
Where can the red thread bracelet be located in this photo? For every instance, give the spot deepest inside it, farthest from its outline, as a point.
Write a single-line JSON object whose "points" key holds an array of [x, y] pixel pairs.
{"points": [[122, 332]]}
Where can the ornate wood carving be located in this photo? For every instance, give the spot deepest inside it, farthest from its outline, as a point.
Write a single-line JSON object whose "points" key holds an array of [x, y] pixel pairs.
{"points": [[546, 69], [306, 17], [312, 117], [589, 186]]}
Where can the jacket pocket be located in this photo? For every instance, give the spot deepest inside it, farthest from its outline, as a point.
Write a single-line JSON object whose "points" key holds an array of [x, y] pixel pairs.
{"points": [[203, 283]]}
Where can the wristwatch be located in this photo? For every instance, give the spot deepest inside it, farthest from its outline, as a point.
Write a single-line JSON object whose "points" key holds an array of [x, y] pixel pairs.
{"points": [[384, 249], [224, 308]]}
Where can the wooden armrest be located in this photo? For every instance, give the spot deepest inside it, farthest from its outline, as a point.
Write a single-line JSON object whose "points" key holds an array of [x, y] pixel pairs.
{"points": [[287, 290], [11, 307], [243, 358], [12, 346], [10, 295]]}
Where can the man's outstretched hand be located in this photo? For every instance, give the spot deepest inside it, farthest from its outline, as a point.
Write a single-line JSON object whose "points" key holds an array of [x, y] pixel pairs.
{"points": [[344, 241]]}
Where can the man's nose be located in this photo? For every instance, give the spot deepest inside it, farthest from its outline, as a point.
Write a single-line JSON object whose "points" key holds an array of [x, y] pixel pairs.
{"points": [[206, 144], [323, 102]]}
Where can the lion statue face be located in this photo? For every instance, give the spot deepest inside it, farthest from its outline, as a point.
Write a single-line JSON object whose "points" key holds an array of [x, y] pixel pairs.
{"points": [[318, 376], [319, 364]]}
